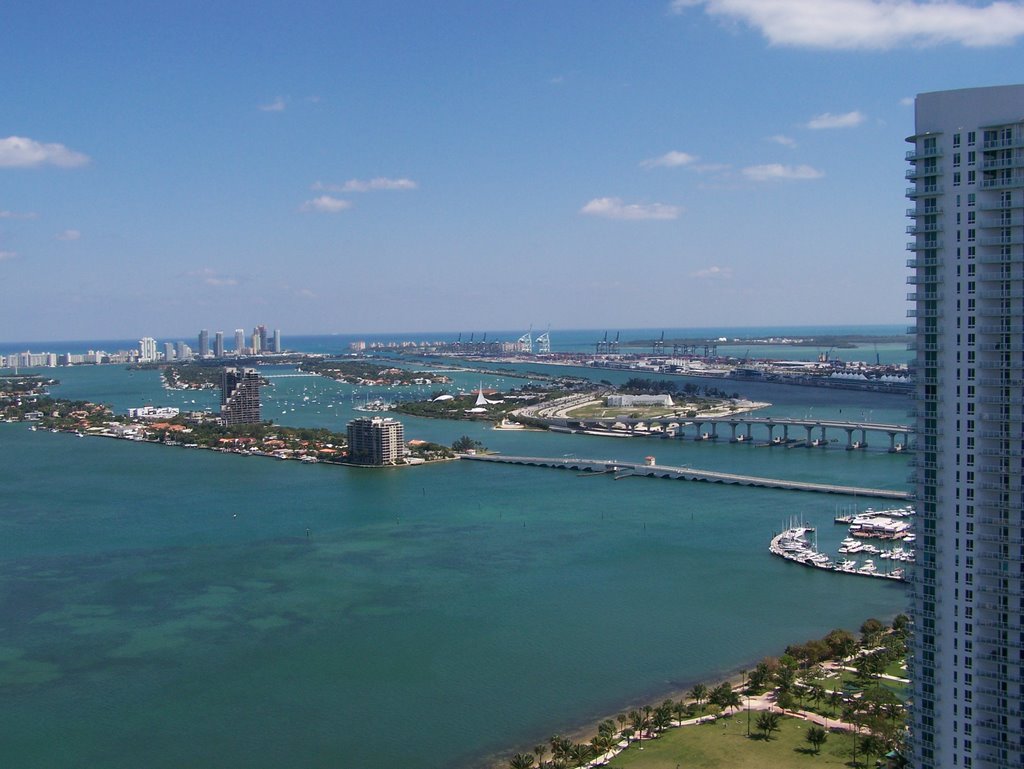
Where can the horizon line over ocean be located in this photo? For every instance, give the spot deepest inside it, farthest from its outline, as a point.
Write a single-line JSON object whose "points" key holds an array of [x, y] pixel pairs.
{"points": [[562, 340]]}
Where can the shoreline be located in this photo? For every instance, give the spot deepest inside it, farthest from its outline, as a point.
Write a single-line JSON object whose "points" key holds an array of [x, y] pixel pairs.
{"points": [[224, 450], [587, 729]]}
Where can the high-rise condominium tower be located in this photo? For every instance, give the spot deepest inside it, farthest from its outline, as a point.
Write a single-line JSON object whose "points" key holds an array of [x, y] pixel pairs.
{"points": [[218, 344], [376, 441], [240, 396], [967, 168], [204, 343], [239, 341]]}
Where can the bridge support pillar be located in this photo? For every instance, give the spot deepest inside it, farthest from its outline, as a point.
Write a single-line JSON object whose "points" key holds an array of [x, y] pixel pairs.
{"points": [[810, 429], [864, 437], [849, 437], [733, 426], [892, 442], [749, 428], [824, 438], [697, 435], [771, 432]]}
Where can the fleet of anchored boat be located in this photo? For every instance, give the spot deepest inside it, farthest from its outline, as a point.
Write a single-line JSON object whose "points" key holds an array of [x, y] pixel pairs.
{"points": [[884, 525]]}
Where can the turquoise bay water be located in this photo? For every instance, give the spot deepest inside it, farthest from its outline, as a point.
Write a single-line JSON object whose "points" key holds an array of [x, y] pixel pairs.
{"points": [[165, 607]]}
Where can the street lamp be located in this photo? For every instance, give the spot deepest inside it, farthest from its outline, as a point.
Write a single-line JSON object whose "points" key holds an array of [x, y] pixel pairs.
{"points": [[746, 687]]}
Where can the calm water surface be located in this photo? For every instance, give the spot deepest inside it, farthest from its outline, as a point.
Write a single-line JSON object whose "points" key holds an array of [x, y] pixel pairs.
{"points": [[165, 607]]}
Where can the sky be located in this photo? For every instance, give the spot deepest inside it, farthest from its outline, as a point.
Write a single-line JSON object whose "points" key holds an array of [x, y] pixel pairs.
{"points": [[353, 167]]}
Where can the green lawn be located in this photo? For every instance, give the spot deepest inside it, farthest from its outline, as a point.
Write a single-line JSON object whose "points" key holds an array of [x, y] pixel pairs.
{"points": [[725, 744]]}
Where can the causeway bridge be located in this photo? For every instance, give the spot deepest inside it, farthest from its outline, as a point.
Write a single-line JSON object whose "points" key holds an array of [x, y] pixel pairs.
{"points": [[740, 427], [619, 470]]}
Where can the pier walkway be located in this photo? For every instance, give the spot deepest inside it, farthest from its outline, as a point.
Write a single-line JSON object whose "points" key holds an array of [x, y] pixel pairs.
{"points": [[625, 469]]}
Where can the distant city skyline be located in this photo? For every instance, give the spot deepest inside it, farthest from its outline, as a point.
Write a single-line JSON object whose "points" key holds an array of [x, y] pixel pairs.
{"points": [[388, 169]]}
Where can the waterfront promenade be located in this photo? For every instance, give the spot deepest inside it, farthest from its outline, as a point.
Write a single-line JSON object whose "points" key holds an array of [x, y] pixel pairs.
{"points": [[619, 470]]}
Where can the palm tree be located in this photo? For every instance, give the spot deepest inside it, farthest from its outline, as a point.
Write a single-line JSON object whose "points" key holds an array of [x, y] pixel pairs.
{"points": [[720, 694], [560, 747], [732, 700], [539, 750], [679, 708], [699, 693], [579, 753], [768, 722], [835, 699], [521, 761], [817, 694], [893, 710], [602, 743], [639, 719], [662, 718], [816, 736], [606, 727], [871, 746]]}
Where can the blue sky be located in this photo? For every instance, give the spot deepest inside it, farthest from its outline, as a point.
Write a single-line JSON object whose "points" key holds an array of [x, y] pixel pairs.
{"points": [[399, 166]]}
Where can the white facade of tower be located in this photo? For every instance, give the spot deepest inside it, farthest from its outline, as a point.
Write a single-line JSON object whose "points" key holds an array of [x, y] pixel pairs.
{"points": [[967, 168], [147, 349]]}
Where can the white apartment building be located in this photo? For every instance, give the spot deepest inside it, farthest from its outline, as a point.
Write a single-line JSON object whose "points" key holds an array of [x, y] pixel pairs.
{"points": [[967, 171], [147, 349]]}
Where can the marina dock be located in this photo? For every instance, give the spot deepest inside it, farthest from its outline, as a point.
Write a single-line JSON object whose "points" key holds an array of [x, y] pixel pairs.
{"points": [[792, 545], [627, 469]]}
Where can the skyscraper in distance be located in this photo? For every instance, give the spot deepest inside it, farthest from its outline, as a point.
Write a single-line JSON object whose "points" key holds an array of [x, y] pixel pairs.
{"points": [[967, 168], [277, 340], [218, 344], [239, 341], [147, 349], [204, 344]]}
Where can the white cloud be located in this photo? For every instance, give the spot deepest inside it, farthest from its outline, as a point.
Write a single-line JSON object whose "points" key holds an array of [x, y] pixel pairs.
{"points": [[713, 273], [871, 24], [907, 101], [19, 152], [785, 141], [5, 255], [68, 235], [366, 185], [670, 159], [771, 171], [277, 105], [18, 214], [326, 204], [829, 120], [614, 208], [209, 277]]}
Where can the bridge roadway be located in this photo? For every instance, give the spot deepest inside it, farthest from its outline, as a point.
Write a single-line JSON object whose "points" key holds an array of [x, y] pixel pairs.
{"points": [[745, 422], [624, 469]]}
